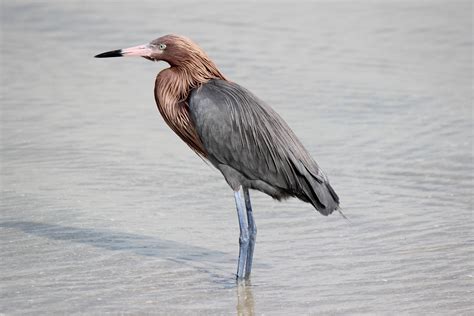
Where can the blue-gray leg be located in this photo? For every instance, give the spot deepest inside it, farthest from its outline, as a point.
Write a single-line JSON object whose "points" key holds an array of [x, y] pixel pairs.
{"points": [[244, 235], [252, 228]]}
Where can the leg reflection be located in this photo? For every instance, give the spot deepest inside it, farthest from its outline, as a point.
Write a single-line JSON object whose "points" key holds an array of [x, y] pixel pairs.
{"points": [[245, 301]]}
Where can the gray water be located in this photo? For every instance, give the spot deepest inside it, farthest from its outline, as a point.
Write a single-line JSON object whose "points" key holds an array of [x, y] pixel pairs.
{"points": [[105, 210]]}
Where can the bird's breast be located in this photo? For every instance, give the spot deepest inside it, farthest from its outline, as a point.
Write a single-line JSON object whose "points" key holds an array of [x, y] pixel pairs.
{"points": [[170, 97]]}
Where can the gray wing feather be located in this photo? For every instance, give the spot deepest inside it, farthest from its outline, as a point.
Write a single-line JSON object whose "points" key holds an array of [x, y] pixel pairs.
{"points": [[240, 131]]}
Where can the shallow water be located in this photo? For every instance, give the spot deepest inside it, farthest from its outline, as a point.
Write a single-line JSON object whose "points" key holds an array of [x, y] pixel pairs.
{"points": [[103, 209]]}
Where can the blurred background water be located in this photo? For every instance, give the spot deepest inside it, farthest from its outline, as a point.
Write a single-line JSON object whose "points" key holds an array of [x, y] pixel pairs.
{"points": [[104, 209]]}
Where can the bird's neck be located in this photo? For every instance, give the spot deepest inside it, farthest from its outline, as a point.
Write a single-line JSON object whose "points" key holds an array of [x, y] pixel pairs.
{"points": [[175, 83], [172, 87]]}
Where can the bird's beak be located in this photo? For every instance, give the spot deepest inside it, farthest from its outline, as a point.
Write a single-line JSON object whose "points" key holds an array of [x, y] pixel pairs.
{"points": [[140, 50]]}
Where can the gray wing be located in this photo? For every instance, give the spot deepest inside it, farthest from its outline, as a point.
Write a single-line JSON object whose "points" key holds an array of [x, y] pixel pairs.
{"points": [[243, 134]]}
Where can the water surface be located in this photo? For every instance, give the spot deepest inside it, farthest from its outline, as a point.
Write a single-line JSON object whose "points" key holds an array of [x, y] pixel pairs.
{"points": [[103, 209]]}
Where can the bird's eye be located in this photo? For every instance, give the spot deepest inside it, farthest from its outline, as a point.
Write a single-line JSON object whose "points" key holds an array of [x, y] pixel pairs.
{"points": [[162, 46]]}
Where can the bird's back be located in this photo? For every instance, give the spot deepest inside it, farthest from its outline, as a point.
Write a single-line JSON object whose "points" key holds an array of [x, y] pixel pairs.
{"points": [[253, 146]]}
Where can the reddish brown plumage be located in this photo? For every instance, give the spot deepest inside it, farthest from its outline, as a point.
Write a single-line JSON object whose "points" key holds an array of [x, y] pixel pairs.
{"points": [[190, 67]]}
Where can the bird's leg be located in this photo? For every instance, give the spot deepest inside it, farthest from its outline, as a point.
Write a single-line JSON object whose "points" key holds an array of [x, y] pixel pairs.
{"points": [[252, 227], [244, 235]]}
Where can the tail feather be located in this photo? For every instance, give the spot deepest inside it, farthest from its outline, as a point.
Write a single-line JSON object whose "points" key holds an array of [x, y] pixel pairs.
{"points": [[326, 197], [315, 189], [339, 209], [321, 195]]}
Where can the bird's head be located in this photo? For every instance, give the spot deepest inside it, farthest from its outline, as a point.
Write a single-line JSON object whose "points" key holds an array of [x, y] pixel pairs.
{"points": [[176, 50]]}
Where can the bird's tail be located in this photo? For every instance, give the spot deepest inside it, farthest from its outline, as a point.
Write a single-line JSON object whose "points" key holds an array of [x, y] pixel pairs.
{"points": [[326, 198], [319, 192], [314, 188]]}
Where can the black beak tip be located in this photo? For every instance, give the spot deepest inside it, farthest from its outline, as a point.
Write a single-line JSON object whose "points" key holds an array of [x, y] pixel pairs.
{"points": [[114, 53]]}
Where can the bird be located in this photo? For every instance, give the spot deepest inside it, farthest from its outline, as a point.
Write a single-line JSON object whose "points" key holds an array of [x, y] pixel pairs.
{"points": [[238, 133]]}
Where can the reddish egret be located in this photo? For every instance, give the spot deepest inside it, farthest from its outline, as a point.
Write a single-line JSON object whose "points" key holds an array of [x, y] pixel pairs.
{"points": [[238, 133]]}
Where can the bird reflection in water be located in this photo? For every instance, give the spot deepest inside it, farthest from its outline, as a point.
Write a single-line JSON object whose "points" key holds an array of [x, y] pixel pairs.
{"points": [[245, 301]]}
